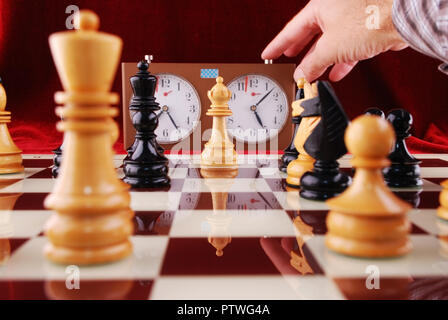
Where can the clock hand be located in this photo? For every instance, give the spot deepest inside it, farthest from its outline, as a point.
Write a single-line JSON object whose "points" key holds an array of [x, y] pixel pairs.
{"points": [[258, 118], [264, 97], [159, 114], [172, 120]]}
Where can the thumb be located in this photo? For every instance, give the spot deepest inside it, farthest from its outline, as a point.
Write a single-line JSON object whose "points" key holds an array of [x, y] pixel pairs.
{"points": [[321, 56]]}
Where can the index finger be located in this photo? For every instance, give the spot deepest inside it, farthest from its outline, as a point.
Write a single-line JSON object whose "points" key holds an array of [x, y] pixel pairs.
{"points": [[300, 29]]}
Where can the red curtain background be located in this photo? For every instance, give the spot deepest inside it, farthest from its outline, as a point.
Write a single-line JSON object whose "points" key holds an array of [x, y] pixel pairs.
{"points": [[199, 31]]}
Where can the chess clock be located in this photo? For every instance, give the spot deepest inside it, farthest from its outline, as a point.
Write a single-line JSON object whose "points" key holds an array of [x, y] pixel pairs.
{"points": [[261, 98]]}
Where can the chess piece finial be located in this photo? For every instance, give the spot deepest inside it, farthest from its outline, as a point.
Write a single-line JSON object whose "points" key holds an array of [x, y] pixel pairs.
{"points": [[375, 112], [404, 170], [304, 162], [10, 154], [87, 61], [368, 220], [219, 152], [219, 95]]}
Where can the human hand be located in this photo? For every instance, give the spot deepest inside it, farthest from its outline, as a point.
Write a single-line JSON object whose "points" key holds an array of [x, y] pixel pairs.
{"points": [[345, 36]]}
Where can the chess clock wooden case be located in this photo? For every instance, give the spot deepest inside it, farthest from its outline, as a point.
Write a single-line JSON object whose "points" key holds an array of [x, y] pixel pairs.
{"points": [[261, 97]]}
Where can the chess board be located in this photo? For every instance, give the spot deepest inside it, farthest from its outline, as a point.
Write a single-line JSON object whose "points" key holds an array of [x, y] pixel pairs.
{"points": [[271, 241]]}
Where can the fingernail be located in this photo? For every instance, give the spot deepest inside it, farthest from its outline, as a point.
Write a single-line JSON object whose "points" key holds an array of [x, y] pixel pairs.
{"points": [[298, 74]]}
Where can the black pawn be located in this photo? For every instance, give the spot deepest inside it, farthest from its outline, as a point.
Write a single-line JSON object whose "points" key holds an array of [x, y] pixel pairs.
{"points": [[404, 170], [291, 153], [57, 161], [145, 166], [326, 145], [375, 112]]}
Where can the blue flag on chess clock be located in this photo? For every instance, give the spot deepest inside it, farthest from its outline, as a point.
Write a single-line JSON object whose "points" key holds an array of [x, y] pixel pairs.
{"points": [[209, 73]]}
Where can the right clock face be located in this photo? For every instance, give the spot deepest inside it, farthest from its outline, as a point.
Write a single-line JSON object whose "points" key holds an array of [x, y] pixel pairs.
{"points": [[259, 106]]}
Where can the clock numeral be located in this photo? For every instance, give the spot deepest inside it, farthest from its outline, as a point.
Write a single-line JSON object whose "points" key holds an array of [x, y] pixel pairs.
{"points": [[178, 86], [188, 96], [230, 119], [165, 83], [233, 97], [275, 120], [280, 108], [165, 133], [275, 96], [188, 120], [253, 83], [267, 86], [241, 86], [192, 109]]}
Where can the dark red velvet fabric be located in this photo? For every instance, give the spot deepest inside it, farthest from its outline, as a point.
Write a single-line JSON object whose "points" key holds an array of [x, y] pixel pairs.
{"points": [[199, 31]]}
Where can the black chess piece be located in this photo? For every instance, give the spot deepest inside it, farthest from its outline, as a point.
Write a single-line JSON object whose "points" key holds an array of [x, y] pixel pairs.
{"points": [[145, 166], [375, 112], [326, 145], [404, 170], [57, 158], [291, 153]]}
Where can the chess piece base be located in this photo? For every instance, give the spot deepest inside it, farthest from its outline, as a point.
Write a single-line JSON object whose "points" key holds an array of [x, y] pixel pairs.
{"points": [[297, 168], [11, 163], [324, 182], [403, 175], [83, 256], [56, 162], [146, 175], [442, 213], [368, 249]]}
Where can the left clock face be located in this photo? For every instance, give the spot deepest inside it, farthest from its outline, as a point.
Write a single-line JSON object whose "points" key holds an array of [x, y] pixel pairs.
{"points": [[180, 108]]}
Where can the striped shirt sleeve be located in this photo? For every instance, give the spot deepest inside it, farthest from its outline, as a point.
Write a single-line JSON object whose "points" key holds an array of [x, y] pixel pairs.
{"points": [[424, 25]]}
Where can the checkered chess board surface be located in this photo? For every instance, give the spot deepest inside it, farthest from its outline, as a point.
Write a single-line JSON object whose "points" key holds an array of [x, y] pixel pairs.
{"points": [[273, 241]]}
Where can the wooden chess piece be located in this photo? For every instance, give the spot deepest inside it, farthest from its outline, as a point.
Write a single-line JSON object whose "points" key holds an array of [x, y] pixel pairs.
{"points": [[291, 153], [368, 220], [404, 170], [442, 211], [57, 158], [304, 162], [219, 183], [145, 166], [219, 152], [92, 217], [326, 145], [10, 154]]}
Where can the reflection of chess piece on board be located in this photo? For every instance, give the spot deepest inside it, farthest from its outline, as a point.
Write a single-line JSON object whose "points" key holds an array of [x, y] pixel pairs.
{"points": [[326, 145], [404, 170], [145, 166], [442, 211], [368, 220], [291, 153], [219, 152], [219, 185], [7, 202], [303, 233], [304, 162], [10, 154], [92, 219], [442, 226], [89, 290]]}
